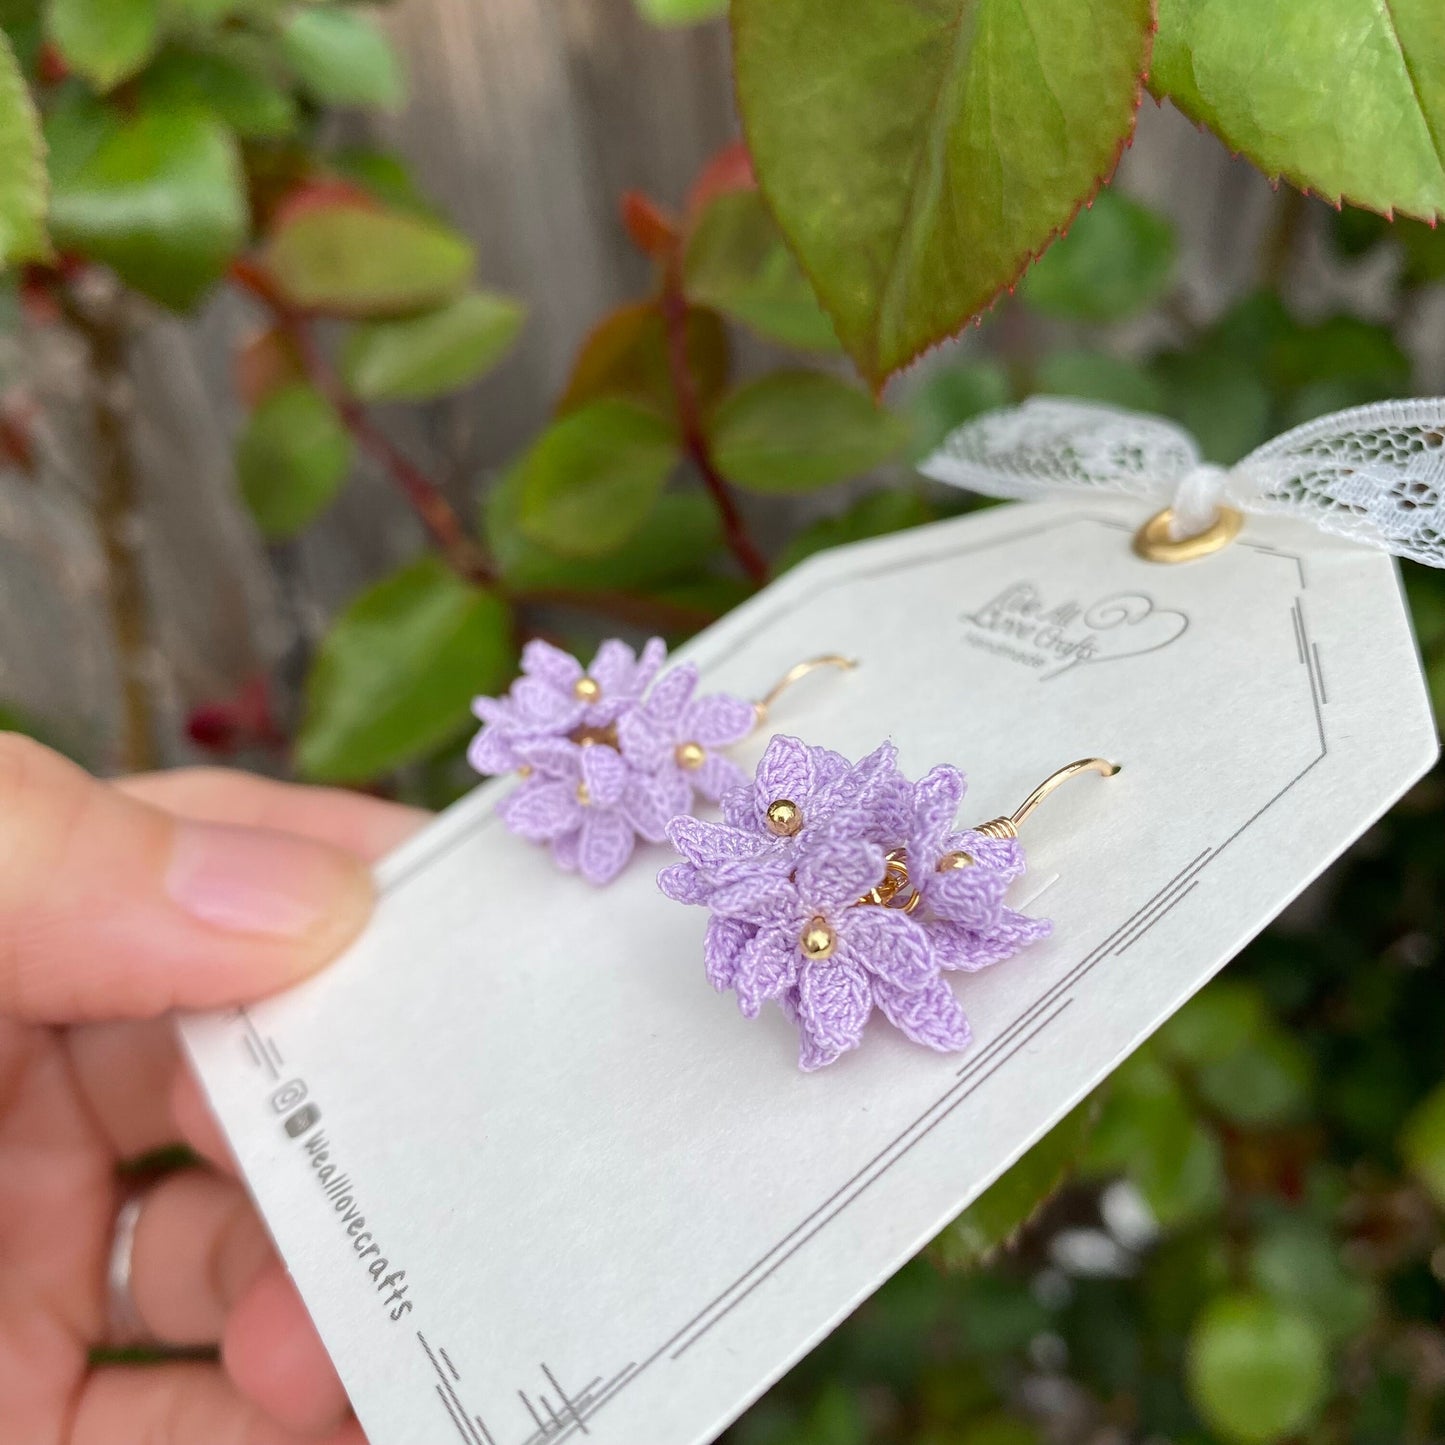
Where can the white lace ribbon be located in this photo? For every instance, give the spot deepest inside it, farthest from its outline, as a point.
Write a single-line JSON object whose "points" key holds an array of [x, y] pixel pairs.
{"points": [[1375, 474]]}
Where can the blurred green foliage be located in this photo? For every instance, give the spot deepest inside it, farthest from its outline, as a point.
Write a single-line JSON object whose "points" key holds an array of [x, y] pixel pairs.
{"points": [[1239, 1238]]}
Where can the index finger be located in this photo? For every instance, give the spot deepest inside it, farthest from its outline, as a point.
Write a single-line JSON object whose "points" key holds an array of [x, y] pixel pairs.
{"points": [[368, 827]]}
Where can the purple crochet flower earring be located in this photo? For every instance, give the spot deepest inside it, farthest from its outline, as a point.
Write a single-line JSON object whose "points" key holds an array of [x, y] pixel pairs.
{"points": [[613, 752], [836, 888]]}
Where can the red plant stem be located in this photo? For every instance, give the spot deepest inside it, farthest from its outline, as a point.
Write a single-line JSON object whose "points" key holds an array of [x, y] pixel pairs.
{"points": [[654, 614], [674, 319], [437, 515], [443, 524]]}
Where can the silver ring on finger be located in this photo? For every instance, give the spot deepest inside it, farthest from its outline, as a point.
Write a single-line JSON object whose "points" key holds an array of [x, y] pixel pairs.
{"points": [[124, 1325]]}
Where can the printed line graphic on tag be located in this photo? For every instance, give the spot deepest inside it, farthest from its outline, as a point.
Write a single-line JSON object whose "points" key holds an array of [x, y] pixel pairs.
{"points": [[619, 1209]]}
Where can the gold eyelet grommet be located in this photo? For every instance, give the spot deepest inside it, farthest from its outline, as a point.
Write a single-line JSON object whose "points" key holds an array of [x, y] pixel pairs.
{"points": [[1154, 544]]}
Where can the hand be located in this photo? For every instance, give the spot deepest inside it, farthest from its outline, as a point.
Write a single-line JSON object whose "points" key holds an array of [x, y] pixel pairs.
{"points": [[118, 903]]}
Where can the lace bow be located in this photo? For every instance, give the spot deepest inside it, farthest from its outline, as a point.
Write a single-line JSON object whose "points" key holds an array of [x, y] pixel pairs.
{"points": [[1375, 474]]}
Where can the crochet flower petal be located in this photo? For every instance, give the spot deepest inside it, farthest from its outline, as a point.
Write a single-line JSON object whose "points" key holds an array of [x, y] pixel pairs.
{"points": [[1004, 856], [651, 802], [551, 757], [970, 896], [612, 669], [717, 777], [541, 810], [605, 774], [887, 944], [784, 771], [755, 895], [717, 720], [709, 844], [649, 664], [723, 948], [936, 797], [491, 752], [834, 1001], [669, 698], [541, 708], [929, 1015], [813, 1054], [835, 872], [766, 968], [958, 948], [685, 883], [880, 765], [493, 710], [646, 746], [565, 849], [606, 844], [550, 665]]}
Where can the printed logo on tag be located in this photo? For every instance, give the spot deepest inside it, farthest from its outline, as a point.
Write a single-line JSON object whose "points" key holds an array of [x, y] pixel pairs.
{"points": [[1024, 625]]}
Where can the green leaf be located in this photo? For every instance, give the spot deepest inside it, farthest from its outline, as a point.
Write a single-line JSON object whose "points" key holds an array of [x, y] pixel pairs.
{"points": [[625, 355], [1257, 1369], [1266, 1084], [1116, 260], [385, 175], [230, 83], [159, 197], [1342, 97], [1422, 1143], [950, 396], [591, 479], [1424, 248], [1340, 347], [893, 510], [681, 12], [1221, 398], [357, 260], [1097, 377], [792, 431], [341, 58], [292, 458], [427, 356], [997, 1215], [393, 679], [677, 537], [998, 1428], [939, 147], [1296, 1263], [23, 184], [736, 262], [1222, 1020], [105, 40], [1148, 1132]]}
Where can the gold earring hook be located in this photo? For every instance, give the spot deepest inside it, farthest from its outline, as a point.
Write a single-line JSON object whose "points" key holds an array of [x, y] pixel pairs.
{"points": [[1009, 827], [796, 673]]}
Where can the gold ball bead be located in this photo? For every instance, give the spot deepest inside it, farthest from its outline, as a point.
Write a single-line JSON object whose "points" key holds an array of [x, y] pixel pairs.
{"points": [[584, 795], [819, 941], [785, 818], [690, 756], [951, 862], [586, 689]]}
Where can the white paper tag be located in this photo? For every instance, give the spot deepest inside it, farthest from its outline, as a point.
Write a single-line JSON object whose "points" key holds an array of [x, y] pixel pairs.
{"points": [[537, 1182]]}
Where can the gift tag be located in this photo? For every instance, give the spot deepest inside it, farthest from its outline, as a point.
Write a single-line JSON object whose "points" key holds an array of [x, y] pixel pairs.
{"points": [[538, 1182]]}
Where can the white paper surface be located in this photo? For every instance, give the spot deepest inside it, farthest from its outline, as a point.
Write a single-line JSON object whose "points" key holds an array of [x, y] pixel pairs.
{"points": [[620, 1210]]}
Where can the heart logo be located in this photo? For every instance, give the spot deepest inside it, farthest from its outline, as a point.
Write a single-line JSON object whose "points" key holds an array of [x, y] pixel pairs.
{"points": [[1126, 625]]}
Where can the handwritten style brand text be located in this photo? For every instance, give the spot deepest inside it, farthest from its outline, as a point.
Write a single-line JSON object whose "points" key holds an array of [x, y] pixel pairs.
{"points": [[1053, 637]]}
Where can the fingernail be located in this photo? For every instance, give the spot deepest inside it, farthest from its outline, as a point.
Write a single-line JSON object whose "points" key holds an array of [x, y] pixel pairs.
{"points": [[247, 880]]}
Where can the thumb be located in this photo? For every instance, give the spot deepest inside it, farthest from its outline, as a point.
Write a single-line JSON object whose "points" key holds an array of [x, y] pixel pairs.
{"points": [[110, 908]]}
